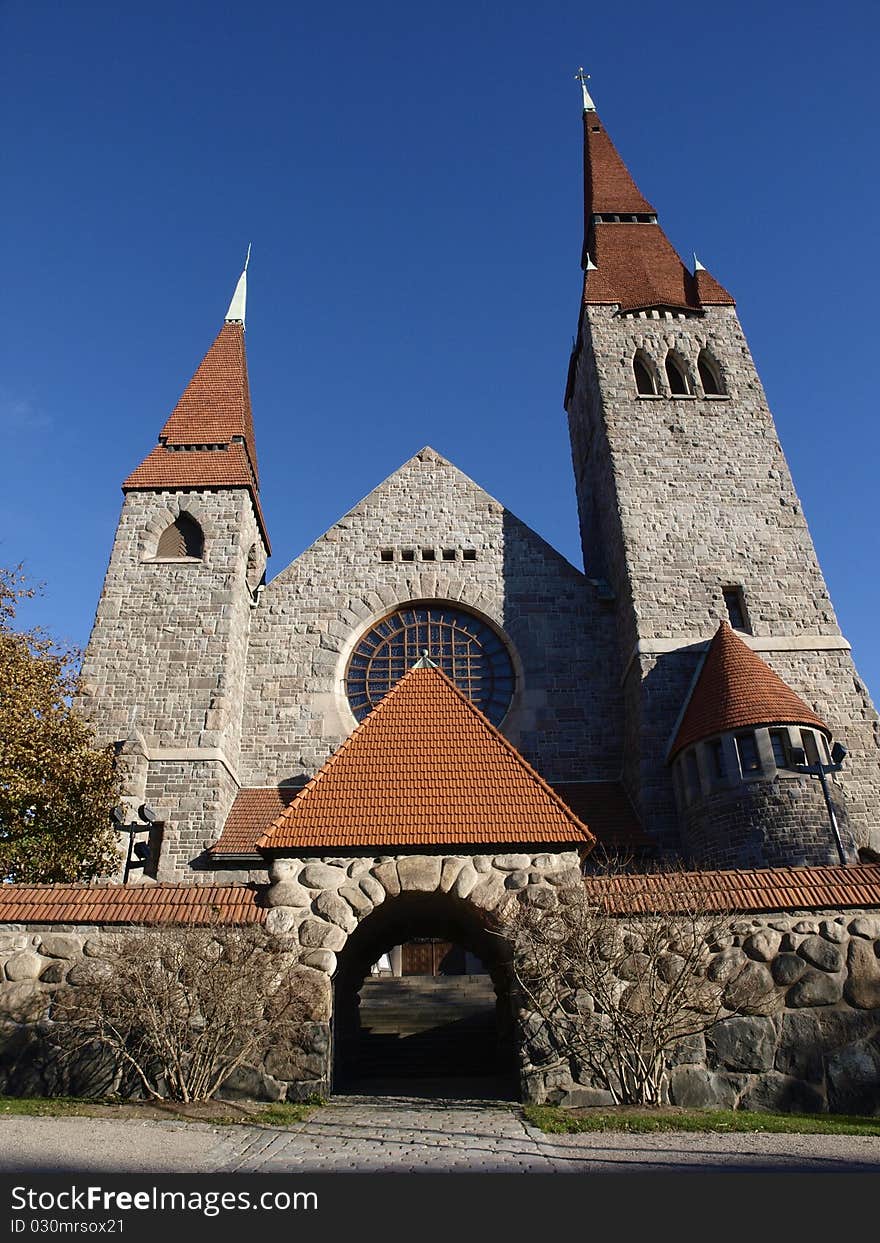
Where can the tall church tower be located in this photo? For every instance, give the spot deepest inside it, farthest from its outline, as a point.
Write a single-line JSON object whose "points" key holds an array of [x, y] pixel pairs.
{"points": [[165, 663], [688, 511]]}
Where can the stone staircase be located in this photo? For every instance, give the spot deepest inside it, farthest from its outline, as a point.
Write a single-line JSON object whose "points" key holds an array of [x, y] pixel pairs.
{"points": [[427, 1026]]}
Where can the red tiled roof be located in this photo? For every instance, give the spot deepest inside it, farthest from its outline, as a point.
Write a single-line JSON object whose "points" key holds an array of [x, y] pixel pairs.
{"points": [[425, 768], [192, 468], [636, 265], [216, 404], [609, 186], [173, 469], [250, 816], [603, 805], [131, 904], [709, 292], [735, 689], [765, 889]]}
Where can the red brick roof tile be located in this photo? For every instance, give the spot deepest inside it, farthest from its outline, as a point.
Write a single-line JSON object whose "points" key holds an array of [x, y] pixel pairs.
{"points": [[603, 805], [197, 469], [425, 768], [131, 904], [764, 889], [216, 404], [250, 816], [636, 265], [609, 185], [736, 689]]}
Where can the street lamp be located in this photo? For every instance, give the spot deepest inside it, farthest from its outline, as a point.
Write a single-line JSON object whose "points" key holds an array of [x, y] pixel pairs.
{"points": [[820, 770], [138, 853]]}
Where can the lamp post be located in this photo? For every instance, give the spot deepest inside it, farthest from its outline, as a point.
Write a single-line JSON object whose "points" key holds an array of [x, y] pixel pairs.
{"points": [[820, 770], [138, 853]]}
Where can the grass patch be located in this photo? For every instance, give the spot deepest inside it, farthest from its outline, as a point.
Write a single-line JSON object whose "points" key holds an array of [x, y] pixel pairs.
{"points": [[556, 1121], [285, 1113], [44, 1106], [219, 1113]]}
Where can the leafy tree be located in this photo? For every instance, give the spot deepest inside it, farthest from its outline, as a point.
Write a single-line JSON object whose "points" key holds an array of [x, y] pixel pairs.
{"points": [[56, 786]]}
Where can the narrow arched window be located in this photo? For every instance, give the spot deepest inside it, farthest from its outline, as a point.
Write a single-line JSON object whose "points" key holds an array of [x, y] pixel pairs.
{"points": [[679, 385], [710, 375], [183, 538], [253, 568], [645, 382]]}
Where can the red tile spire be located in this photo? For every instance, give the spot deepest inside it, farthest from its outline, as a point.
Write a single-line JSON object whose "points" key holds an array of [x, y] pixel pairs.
{"points": [[627, 257], [425, 768], [736, 689], [208, 439]]}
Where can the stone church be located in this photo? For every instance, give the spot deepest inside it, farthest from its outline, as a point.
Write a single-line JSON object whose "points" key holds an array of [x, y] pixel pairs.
{"points": [[431, 709]]}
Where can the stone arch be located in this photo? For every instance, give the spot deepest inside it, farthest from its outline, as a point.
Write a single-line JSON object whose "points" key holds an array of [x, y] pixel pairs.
{"points": [[319, 903], [473, 1038], [166, 515]]}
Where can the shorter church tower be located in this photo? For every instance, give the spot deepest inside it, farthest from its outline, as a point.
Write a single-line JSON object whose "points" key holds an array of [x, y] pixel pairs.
{"points": [[164, 670], [737, 762]]}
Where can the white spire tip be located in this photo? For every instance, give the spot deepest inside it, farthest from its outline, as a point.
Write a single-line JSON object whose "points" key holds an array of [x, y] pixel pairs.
{"points": [[583, 78]]}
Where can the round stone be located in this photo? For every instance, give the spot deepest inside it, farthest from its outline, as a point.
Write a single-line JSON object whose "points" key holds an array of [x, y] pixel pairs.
{"points": [[762, 946], [516, 880], [322, 876], [821, 953], [24, 966], [287, 893], [321, 960], [316, 934]]}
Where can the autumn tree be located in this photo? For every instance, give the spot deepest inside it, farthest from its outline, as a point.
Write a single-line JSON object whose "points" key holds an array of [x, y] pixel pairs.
{"points": [[56, 786]]}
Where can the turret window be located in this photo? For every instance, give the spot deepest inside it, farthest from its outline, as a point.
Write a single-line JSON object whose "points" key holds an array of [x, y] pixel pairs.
{"points": [[779, 743], [710, 375], [747, 750], [183, 539], [646, 382], [676, 374]]}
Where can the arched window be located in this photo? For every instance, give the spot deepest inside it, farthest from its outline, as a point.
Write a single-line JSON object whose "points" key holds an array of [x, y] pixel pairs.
{"points": [[253, 568], [183, 538], [646, 383], [710, 375], [676, 374]]}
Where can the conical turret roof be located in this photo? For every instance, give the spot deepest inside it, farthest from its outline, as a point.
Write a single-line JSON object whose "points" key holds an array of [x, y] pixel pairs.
{"points": [[736, 689]]}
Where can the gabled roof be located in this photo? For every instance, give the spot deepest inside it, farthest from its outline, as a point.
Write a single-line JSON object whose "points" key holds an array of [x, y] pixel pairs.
{"points": [[603, 805], [636, 266], [736, 689], [425, 768]]}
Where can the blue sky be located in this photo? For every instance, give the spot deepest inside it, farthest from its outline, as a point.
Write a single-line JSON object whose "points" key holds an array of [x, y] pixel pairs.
{"points": [[410, 178]]}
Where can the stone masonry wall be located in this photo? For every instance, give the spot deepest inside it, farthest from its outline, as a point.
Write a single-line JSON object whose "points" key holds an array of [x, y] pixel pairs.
{"points": [[566, 714], [681, 496], [762, 824], [819, 1051], [167, 657]]}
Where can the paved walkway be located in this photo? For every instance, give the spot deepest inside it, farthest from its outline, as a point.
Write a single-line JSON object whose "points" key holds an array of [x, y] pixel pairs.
{"points": [[403, 1135]]}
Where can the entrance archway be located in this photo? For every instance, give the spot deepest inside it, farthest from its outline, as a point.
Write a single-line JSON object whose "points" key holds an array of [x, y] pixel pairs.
{"points": [[421, 1003]]}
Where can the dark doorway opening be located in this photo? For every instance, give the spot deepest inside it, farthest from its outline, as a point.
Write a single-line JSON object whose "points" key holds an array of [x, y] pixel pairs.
{"points": [[421, 1004]]}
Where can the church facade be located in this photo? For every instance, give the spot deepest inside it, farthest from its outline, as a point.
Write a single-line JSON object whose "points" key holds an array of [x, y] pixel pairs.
{"points": [[227, 693], [431, 715]]}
